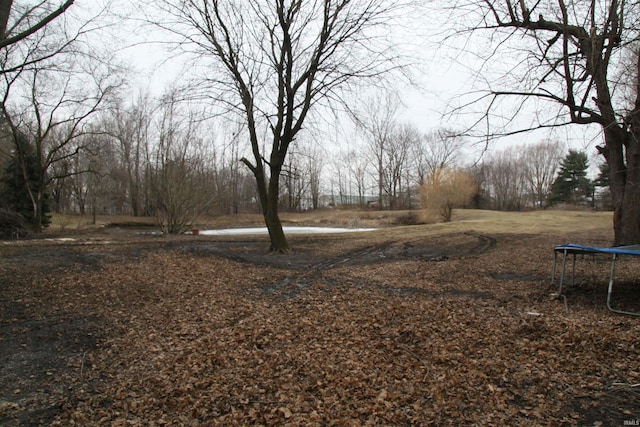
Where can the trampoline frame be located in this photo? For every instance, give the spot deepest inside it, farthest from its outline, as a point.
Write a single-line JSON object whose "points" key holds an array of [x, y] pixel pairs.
{"points": [[574, 249]]}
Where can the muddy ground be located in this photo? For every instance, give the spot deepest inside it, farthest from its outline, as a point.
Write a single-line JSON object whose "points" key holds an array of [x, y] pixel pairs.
{"points": [[85, 336]]}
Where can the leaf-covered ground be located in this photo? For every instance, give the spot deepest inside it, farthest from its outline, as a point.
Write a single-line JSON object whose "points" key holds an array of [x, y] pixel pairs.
{"points": [[451, 329]]}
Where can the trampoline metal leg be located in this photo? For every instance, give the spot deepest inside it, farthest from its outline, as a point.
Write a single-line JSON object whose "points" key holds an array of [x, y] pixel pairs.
{"points": [[610, 290], [564, 268], [564, 265], [553, 270]]}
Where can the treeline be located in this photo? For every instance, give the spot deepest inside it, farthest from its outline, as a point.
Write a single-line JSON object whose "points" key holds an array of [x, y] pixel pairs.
{"points": [[539, 176], [160, 158]]}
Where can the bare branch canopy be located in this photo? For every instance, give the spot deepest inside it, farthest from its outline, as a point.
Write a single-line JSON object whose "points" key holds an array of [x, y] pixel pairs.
{"points": [[582, 58], [274, 62]]}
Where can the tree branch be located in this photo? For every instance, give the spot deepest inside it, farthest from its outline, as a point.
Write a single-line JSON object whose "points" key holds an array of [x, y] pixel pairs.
{"points": [[29, 31]]}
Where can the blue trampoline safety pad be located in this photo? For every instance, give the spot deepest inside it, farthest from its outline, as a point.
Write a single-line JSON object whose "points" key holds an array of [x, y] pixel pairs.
{"points": [[572, 248]]}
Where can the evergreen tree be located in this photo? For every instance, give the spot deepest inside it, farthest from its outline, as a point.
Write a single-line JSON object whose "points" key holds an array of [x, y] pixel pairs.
{"points": [[571, 184], [603, 175], [14, 188], [602, 181]]}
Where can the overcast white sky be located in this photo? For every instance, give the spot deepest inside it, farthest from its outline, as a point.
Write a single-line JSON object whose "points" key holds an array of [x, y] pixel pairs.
{"points": [[444, 77]]}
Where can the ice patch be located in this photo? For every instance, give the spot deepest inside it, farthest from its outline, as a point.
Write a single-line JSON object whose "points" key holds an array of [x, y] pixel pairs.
{"points": [[287, 230]]}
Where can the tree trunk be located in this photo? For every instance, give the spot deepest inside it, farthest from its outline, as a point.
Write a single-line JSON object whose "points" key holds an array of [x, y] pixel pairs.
{"points": [[268, 196], [278, 240], [37, 208], [622, 153], [628, 228], [624, 180], [5, 11]]}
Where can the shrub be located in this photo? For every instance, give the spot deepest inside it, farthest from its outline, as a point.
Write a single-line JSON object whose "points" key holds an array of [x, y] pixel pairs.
{"points": [[12, 224], [410, 218], [446, 190]]}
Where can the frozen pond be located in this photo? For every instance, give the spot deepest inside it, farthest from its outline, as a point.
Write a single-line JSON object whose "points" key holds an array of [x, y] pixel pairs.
{"points": [[287, 230]]}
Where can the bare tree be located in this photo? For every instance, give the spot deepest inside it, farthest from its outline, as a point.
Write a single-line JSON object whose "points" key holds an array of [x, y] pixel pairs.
{"points": [[573, 63], [378, 125], [294, 182], [314, 168], [229, 179], [52, 84], [339, 182], [541, 162], [312, 164], [391, 148], [69, 175], [302, 177], [396, 156], [506, 175], [436, 151], [28, 19], [179, 180], [358, 163], [129, 126], [280, 59], [55, 111]]}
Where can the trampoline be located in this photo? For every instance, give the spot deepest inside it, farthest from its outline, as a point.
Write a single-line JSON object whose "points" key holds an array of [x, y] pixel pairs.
{"points": [[574, 249]]}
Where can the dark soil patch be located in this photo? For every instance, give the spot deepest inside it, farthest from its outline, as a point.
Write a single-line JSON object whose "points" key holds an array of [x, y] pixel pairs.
{"points": [[253, 252], [250, 252], [39, 357], [82, 255]]}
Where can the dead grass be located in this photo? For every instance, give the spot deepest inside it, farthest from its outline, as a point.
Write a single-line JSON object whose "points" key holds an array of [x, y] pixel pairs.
{"points": [[561, 225], [555, 222], [543, 221]]}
